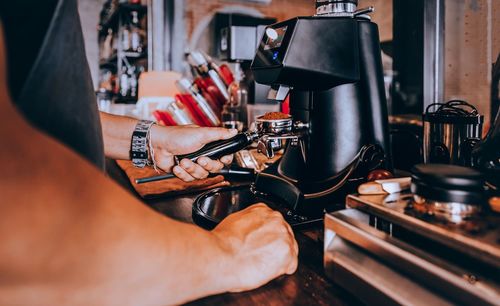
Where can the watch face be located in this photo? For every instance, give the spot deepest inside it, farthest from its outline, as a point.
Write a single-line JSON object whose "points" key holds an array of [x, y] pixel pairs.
{"points": [[139, 145]]}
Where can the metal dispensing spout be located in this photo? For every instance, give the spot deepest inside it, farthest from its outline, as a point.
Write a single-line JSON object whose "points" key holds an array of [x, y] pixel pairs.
{"points": [[335, 6], [279, 94], [340, 8]]}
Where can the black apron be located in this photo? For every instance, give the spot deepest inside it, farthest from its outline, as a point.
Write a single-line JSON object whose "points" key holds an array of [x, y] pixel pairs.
{"points": [[56, 94]]}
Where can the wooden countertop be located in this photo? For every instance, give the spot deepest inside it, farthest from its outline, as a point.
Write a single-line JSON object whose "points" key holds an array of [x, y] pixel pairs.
{"points": [[308, 286]]}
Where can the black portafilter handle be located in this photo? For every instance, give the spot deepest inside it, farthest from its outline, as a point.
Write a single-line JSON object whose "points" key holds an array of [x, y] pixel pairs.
{"points": [[219, 148], [213, 150]]}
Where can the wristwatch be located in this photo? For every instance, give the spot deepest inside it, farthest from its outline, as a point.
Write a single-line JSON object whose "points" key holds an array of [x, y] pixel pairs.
{"points": [[139, 145]]}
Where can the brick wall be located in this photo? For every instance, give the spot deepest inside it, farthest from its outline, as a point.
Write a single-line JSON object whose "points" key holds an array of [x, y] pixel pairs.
{"points": [[472, 44], [196, 10], [472, 40]]}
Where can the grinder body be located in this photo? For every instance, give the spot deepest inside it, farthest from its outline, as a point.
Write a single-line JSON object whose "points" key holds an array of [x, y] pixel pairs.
{"points": [[333, 68]]}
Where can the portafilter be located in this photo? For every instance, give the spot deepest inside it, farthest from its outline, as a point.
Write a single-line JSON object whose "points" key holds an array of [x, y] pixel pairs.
{"points": [[268, 132]]}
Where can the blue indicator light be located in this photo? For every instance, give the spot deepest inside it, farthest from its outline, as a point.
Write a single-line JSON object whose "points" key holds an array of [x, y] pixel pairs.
{"points": [[275, 55]]}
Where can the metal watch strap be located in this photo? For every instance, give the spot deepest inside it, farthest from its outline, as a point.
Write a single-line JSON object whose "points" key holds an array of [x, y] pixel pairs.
{"points": [[139, 145]]}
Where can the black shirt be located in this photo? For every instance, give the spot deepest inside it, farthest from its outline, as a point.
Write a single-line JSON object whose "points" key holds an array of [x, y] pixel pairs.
{"points": [[48, 73]]}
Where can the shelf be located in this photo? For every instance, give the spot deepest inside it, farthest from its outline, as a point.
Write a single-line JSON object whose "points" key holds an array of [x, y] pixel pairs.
{"points": [[112, 19], [133, 7], [131, 54], [125, 100], [111, 62]]}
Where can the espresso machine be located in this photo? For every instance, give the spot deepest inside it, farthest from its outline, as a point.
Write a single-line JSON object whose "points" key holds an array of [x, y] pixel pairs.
{"points": [[438, 244], [330, 67]]}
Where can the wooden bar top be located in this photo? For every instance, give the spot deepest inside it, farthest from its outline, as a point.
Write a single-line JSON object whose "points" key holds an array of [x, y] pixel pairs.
{"points": [[308, 286]]}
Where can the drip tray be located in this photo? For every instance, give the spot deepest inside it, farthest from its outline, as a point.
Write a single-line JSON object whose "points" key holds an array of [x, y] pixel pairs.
{"points": [[210, 208]]}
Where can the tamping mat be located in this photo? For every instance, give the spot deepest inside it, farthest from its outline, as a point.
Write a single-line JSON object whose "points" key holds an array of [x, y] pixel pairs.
{"points": [[210, 208], [169, 187]]}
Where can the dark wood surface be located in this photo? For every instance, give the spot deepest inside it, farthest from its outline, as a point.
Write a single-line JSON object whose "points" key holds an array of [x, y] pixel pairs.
{"points": [[308, 286]]}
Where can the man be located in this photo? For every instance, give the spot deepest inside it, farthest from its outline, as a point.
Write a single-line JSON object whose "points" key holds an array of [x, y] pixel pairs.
{"points": [[69, 235]]}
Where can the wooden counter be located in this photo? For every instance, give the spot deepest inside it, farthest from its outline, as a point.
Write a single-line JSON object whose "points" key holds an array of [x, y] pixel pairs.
{"points": [[308, 286]]}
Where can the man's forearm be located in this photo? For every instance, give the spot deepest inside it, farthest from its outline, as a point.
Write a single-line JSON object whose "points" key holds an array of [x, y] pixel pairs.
{"points": [[117, 134], [94, 243], [70, 236]]}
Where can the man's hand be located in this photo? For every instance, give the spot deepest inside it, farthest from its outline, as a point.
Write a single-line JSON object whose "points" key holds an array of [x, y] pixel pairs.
{"points": [[175, 140], [260, 245]]}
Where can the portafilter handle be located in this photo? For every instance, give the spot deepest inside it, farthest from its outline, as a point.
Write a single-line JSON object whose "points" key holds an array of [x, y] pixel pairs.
{"points": [[214, 150], [219, 148]]}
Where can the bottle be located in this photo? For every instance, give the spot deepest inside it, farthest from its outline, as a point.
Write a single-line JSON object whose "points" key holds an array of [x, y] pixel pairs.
{"points": [[126, 38], [132, 81], [107, 46], [200, 104], [206, 68], [135, 33], [124, 83], [232, 113]]}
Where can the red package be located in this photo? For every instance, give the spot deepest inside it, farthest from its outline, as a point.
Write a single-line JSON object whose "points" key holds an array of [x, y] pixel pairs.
{"points": [[207, 86], [226, 74], [194, 109], [164, 118]]}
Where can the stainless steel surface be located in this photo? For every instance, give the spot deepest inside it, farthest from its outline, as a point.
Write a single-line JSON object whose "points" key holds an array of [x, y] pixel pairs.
{"points": [[327, 7], [268, 145], [274, 127], [383, 262], [274, 133], [448, 137], [374, 283], [279, 94], [333, 8], [449, 211], [243, 43], [478, 238], [364, 12], [433, 51]]}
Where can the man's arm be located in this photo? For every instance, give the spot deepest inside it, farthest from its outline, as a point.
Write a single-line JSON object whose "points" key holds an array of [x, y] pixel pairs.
{"points": [[71, 236], [167, 142]]}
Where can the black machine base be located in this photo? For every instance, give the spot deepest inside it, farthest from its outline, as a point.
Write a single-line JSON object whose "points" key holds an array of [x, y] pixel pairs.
{"points": [[210, 208], [314, 198], [301, 205]]}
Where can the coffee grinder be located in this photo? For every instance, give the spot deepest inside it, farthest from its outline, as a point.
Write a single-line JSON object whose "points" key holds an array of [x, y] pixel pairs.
{"points": [[330, 66], [337, 131]]}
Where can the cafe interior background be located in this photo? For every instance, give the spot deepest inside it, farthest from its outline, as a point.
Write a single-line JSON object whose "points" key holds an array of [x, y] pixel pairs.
{"points": [[469, 41], [433, 51]]}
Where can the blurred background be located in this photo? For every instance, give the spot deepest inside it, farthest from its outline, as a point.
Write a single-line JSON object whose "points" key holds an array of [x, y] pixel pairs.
{"points": [[464, 41]]}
